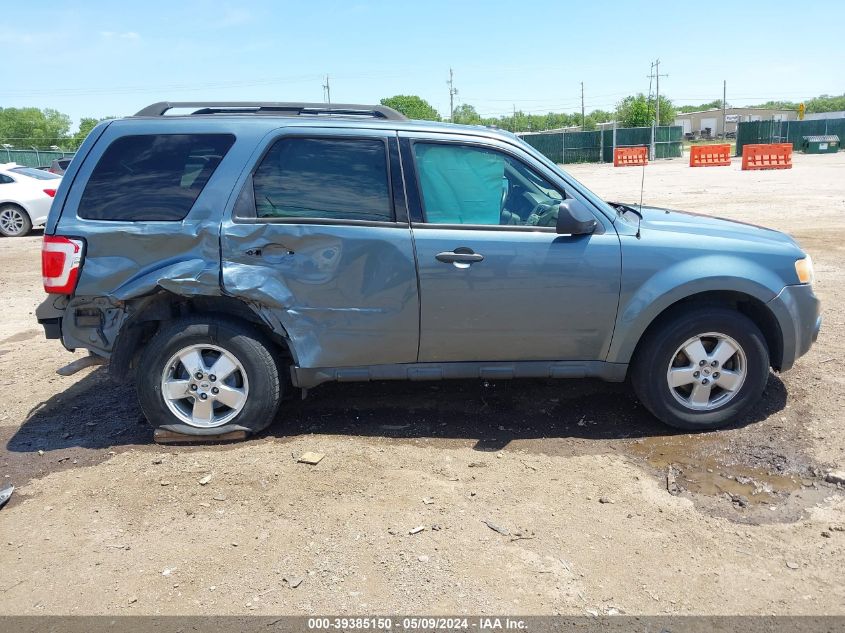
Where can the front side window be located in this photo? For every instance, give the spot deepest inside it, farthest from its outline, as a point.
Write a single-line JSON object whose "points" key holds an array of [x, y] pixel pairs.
{"points": [[155, 177], [6, 180], [338, 179], [463, 184]]}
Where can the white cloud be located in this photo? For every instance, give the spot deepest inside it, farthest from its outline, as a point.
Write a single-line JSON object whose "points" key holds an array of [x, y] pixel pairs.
{"points": [[126, 35]]}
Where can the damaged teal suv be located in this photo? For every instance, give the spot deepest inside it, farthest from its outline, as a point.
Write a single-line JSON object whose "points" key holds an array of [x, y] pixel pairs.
{"points": [[223, 253]]}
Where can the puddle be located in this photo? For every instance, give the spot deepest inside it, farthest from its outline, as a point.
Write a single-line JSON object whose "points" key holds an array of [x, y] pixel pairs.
{"points": [[699, 465]]}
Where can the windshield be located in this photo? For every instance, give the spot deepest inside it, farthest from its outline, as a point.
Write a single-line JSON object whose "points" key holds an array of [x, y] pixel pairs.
{"points": [[32, 172]]}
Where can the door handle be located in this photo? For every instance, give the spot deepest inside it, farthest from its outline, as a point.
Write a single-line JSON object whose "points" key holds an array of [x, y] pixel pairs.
{"points": [[461, 257]]}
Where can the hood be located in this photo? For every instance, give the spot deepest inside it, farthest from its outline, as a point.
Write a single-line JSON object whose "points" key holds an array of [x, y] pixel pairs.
{"points": [[707, 226]]}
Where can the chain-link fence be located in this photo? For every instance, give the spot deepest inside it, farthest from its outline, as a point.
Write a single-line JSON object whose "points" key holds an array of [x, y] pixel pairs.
{"points": [[753, 132], [31, 157], [598, 145]]}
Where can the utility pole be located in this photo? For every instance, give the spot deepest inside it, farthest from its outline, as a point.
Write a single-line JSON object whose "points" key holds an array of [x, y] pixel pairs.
{"points": [[582, 106], [655, 74], [513, 120], [327, 92], [657, 77], [724, 106], [452, 92]]}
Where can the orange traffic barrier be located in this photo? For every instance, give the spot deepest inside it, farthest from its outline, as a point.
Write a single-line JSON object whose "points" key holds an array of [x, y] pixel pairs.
{"points": [[709, 155], [768, 156], [630, 156]]}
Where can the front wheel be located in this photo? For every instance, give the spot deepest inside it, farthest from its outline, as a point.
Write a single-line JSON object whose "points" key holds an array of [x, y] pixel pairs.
{"points": [[209, 377], [702, 369]]}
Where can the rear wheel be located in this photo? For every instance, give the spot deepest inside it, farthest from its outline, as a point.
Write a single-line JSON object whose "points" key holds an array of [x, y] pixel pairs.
{"points": [[209, 377], [702, 369], [14, 221]]}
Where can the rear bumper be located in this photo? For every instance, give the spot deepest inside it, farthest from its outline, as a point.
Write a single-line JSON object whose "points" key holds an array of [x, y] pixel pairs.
{"points": [[50, 317], [52, 328], [797, 310]]}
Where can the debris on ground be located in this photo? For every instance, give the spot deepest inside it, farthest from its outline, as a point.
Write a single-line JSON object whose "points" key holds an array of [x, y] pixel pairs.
{"points": [[605, 500], [671, 482], [205, 480], [311, 458], [835, 477], [792, 564], [427, 501], [6, 494], [293, 581], [417, 529], [496, 528]]}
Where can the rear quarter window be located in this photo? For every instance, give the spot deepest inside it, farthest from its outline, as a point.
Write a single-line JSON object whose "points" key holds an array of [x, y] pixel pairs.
{"points": [[154, 177]]}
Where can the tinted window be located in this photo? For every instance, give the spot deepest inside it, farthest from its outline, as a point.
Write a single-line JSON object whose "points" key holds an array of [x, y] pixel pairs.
{"points": [[152, 177], [324, 178], [32, 172], [463, 184], [5, 180]]}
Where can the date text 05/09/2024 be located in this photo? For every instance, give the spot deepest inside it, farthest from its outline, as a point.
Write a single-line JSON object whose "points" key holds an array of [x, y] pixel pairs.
{"points": [[417, 623]]}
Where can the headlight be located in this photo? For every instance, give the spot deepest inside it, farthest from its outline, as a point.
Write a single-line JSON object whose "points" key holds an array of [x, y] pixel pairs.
{"points": [[804, 269]]}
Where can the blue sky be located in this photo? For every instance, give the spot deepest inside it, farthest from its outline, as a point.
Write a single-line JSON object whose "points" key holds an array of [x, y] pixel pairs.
{"points": [[101, 58]]}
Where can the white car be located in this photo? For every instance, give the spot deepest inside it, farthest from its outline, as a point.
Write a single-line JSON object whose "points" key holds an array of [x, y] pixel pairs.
{"points": [[26, 194]]}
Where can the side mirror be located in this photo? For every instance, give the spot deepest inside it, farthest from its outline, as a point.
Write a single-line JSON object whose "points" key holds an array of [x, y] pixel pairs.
{"points": [[573, 218]]}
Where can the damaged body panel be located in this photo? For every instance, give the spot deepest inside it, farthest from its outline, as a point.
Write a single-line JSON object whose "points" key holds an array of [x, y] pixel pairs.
{"points": [[231, 253], [345, 295]]}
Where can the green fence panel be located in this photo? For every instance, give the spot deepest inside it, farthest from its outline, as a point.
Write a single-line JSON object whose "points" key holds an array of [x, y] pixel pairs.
{"points": [[753, 132], [595, 146], [31, 157]]}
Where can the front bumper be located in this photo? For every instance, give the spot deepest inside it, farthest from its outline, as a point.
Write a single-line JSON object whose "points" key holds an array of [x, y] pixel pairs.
{"points": [[797, 310]]}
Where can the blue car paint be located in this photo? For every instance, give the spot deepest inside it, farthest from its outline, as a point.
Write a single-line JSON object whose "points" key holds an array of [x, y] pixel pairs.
{"points": [[360, 307]]}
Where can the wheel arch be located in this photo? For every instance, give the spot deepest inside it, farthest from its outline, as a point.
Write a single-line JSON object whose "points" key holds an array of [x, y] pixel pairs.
{"points": [[747, 304], [147, 314]]}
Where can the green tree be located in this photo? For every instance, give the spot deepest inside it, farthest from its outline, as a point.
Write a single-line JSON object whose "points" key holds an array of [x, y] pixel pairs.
{"points": [[27, 127], [716, 103], [86, 124], [637, 111], [777, 105], [412, 106], [826, 103], [467, 115]]}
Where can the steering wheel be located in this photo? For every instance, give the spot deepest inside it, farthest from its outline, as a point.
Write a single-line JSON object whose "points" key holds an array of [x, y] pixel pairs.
{"points": [[542, 215]]}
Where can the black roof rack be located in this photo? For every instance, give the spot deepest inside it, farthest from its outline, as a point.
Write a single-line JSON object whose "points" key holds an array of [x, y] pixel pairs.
{"points": [[277, 108]]}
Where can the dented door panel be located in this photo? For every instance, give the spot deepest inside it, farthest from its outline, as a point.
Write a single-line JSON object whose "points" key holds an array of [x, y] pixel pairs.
{"points": [[346, 295]]}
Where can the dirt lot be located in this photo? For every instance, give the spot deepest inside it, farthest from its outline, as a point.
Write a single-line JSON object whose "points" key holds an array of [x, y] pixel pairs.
{"points": [[574, 474]]}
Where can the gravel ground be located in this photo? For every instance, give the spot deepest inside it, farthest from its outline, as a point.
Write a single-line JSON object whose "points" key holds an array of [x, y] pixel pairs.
{"points": [[535, 497]]}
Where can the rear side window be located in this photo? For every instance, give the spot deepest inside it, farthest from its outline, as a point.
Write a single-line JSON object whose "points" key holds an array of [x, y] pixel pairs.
{"points": [[154, 177], [339, 179], [32, 172]]}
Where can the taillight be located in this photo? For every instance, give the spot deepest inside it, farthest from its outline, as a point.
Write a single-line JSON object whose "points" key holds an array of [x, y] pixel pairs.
{"points": [[50, 192], [60, 260]]}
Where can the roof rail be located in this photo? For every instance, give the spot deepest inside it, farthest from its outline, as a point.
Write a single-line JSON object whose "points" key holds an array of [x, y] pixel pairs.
{"points": [[275, 107]]}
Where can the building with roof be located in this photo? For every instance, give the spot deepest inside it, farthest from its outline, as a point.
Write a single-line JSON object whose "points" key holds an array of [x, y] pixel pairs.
{"points": [[702, 120]]}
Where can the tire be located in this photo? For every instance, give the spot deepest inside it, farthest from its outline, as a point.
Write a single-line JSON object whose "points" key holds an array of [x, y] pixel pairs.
{"points": [[246, 398], [733, 388], [14, 221]]}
